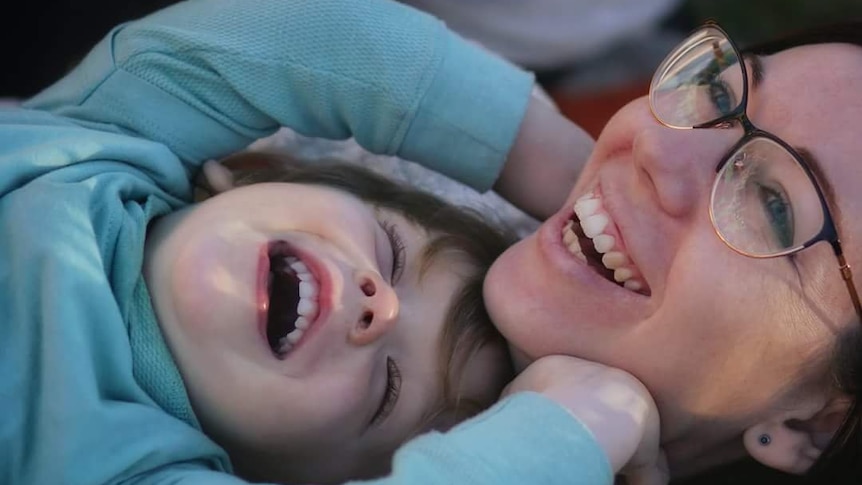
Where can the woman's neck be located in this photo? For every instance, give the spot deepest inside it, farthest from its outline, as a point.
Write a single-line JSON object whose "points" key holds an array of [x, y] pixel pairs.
{"points": [[712, 446]]}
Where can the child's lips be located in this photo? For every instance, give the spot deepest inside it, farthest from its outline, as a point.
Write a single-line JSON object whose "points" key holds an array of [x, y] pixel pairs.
{"points": [[313, 270], [262, 290]]}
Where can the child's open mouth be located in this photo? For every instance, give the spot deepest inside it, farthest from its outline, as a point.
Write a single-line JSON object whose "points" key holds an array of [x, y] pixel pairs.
{"points": [[292, 290]]}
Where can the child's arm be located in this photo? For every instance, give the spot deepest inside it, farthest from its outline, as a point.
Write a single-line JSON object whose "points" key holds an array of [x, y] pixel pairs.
{"points": [[614, 405], [545, 161], [526, 438], [206, 77]]}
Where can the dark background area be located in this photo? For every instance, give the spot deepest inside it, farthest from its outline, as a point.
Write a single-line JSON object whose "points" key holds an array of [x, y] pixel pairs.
{"points": [[41, 40], [750, 21]]}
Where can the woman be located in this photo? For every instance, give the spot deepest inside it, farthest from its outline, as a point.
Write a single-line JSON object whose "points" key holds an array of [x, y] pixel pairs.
{"points": [[684, 263]]}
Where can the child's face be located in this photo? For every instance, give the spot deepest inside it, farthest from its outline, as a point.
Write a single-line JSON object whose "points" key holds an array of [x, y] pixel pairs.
{"points": [[365, 372]]}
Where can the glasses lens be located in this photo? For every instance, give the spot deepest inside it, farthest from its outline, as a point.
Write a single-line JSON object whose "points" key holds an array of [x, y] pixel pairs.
{"points": [[763, 202], [699, 82]]}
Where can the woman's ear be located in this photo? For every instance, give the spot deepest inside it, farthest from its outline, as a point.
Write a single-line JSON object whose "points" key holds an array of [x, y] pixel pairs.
{"points": [[793, 441]]}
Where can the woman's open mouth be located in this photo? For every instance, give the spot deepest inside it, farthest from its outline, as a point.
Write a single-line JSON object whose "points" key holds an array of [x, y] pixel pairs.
{"points": [[292, 292], [590, 236]]}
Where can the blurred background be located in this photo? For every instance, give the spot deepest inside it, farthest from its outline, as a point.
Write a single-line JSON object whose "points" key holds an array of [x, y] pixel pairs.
{"points": [[592, 89], [591, 55]]}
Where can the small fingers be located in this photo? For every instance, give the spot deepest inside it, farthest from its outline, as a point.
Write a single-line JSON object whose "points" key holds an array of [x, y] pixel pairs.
{"points": [[217, 176], [653, 474]]}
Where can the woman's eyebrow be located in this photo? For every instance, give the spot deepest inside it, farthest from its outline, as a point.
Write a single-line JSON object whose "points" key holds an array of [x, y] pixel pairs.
{"points": [[757, 72], [819, 174]]}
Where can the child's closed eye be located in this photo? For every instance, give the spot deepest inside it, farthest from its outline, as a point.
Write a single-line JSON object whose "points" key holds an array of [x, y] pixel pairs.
{"points": [[390, 394], [399, 253]]}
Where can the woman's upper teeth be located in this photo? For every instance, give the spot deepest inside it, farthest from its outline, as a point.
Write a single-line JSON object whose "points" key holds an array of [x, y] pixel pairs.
{"points": [[595, 224]]}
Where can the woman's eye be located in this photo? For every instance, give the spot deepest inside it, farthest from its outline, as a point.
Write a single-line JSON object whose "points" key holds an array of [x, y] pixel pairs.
{"points": [[779, 215], [396, 243], [390, 394], [721, 96]]}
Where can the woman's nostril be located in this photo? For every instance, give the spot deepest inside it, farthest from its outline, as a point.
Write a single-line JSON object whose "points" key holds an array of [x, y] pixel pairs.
{"points": [[368, 288], [366, 319]]}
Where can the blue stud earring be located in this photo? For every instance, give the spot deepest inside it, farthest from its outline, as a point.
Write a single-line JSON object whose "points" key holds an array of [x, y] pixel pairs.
{"points": [[764, 439]]}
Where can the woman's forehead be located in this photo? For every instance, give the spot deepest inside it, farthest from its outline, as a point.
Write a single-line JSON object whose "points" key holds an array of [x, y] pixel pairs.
{"points": [[811, 89], [809, 98]]}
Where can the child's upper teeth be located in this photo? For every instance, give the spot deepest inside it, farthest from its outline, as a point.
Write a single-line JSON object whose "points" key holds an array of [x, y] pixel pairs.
{"points": [[307, 289], [594, 221], [306, 308], [299, 266]]}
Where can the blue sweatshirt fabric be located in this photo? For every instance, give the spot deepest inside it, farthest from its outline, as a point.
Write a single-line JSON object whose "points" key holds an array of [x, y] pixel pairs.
{"points": [[89, 393]]}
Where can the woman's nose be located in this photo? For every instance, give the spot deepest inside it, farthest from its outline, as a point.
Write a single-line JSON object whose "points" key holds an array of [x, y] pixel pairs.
{"points": [[679, 166], [377, 309]]}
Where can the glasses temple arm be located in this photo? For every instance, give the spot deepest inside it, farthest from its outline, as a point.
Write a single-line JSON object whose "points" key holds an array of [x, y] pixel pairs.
{"points": [[847, 275]]}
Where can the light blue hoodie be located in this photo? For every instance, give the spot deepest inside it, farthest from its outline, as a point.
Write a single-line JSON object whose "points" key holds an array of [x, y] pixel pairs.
{"points": [[89, 393]]}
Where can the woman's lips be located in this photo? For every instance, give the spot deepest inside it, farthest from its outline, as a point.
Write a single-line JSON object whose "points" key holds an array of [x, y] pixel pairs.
{"points": [[560, 259], [593, 235], [574, 294]]}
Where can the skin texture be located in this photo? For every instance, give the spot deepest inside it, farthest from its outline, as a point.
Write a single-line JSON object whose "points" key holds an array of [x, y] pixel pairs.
{"points": [[304, 418], [724, 343]]}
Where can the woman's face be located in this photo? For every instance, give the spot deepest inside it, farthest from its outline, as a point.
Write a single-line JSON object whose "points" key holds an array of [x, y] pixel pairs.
{"points": [[720, 339]]}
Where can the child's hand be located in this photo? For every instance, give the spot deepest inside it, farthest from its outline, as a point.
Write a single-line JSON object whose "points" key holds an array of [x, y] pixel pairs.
{"points": [[613, 404], [217, 177]]}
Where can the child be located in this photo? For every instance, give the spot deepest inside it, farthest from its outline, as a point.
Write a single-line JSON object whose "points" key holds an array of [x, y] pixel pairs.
{"points": [[90, 390], [319, 317], [319, 326]]}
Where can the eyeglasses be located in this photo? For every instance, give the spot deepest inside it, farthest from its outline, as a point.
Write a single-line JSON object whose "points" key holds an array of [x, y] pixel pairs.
{"points": [[765, 200]]}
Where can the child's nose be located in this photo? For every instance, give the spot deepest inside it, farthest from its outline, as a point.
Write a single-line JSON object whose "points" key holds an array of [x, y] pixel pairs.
{"points": [[378, 308]]}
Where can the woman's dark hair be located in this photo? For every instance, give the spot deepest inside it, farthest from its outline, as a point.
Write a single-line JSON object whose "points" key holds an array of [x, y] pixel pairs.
{"points": [[841, 461]]}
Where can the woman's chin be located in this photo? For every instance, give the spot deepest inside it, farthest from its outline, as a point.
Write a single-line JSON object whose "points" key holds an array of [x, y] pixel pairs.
{"points": [[517, 299]]}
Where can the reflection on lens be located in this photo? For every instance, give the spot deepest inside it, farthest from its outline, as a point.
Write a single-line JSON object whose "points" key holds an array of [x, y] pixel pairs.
{"points": [[699, 82], [763, 202]]}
